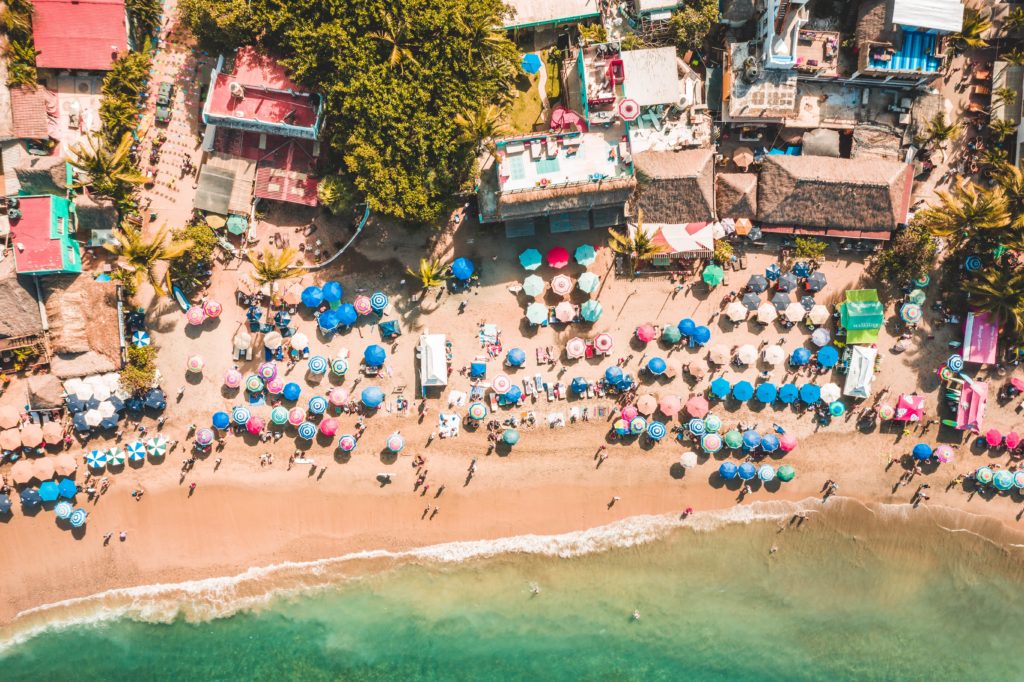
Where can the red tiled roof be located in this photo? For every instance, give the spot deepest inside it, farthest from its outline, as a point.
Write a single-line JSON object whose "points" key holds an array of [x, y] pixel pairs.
{"points": [[270, 96], [79, 34], [284, 174], [29, 113], [34, 251]]}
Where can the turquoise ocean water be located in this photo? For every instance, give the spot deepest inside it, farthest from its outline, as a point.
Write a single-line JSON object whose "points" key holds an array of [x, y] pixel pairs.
{"points": [[852, 594]]}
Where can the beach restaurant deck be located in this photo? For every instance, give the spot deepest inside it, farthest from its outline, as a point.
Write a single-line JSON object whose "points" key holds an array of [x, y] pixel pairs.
{"points": [[552, 160]]}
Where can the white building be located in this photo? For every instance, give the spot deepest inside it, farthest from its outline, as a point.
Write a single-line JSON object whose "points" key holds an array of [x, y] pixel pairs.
{"points": [[779, 30]]}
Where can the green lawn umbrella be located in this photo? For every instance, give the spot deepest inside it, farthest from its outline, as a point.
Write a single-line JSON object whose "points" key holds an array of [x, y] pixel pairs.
{"points": [[591, 311], [115, 456], [785, 473], [917, 297], [585, 254], [713, 275], [530, 259], [510, 437], [533, 285], [588, 282], [279, 415], [733, 438], [671, 334], [536, 313], [157, 446]]}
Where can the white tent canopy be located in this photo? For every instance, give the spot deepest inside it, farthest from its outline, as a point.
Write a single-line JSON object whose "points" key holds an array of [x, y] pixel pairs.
{"points": [[861, 373], [433, 360]]}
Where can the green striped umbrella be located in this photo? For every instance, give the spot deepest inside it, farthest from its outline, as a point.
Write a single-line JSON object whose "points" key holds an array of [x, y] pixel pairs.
{"points": [[157, 446], [279, 415]]}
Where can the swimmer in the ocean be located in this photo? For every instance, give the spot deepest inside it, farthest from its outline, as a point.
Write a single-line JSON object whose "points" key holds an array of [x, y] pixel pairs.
{"points": [[636, 614], [534, 589]]}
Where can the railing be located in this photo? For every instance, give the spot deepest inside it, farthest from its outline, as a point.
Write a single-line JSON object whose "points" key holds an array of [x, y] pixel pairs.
{"points": [[362, 224]]}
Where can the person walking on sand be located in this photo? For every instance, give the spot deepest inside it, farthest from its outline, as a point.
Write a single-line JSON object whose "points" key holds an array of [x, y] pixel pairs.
{"points": [[191, 487]]}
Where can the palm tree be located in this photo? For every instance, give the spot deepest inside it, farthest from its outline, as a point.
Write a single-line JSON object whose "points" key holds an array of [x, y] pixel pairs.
{"points": [[21, 63], [939, 131], [140, 257], [975, 25], [636, 247], [481, 26], [1000, 293], [15, 18], [993, 157], [480, 127], [108, 172], [1014, 56], [1002, 128], [274, 265], [1004, 96], [1014, 21], [429, 273], [394, 35], [966, 213], [1010, 179]]}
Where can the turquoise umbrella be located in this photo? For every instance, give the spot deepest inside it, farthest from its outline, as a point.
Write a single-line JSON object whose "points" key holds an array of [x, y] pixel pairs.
{"points": [[1003, 480], [533, 285], [591, 311], [510, 437], [531, 259], [588, 282], [713, 275], [537, 313], [671, 334], [585, 254]]}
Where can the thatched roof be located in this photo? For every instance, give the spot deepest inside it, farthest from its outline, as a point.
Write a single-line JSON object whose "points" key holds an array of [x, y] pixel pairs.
{"points": [[18, 302], [30, 107], [95, 214], [821, 142], [42, 175], [83, 325], [45, 392], [869, 195], [736, 195], [675, 186], [581, 197]]}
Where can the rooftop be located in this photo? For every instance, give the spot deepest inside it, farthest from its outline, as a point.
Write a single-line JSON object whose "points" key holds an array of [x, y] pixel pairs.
{"points": [[771, 96], [84, 330], [736, 195], [30, 107], [21, 311], [651, 75], [548, 161], [676, 186], [42, 236], [79, 34], [527, 13], [286, 174], [939, 15]]}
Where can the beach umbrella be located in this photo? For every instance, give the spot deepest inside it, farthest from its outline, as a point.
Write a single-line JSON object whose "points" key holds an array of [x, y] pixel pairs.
{"points": [[32, 434], [561, 285], [378, 301], [766, 472], [195, 316], [772, 272], [565, 312], [621, 427], [328, 320], [944, 453], [115, 456], [637, 425], [750, 301], [395, 442], [296, 416], [338, 396], [5, 504], [530, 259], [719, 354], [48, 491], [758, 283], [922, 451], [362, 305], [347, 443], [810, 393], [831, 392], [240, 415], [232, 378], [65, 464], [746, 471], [501, 384], [711, 442], [62, 510], [818, 314], [800, 357], [516, 357], [514, 394], [712, 423], [751, 439], [374, 355], [794, 312], [1003, 480], [557, 258], [279, 415], [312, 296], [255, 425], [372, 397], [955, 362], [272, 340], [204, 437], [669, 405], [727, 471], [306, 430], [910, 313], [820, 337], [736, 312], [212, 308], [291, 391], [713, 275], [807, 302], [780, 302], [628, 412], [221, 420], [613, 375], [816, 281], [74, 404], [141, 339], [773, 354], [766, 393], [886, 411], [742, 391], [688, 459], [836, 408], [733, 438], [137, 450], [477, 411], [21, 472], [195, 364], [574, 348], [317, 405], [10, 439], [157, 446], [588, 282], [801, 269], [317, 365], [96, 459], [93, 417], [578, 385], [720, 388], [697, 406], [533, 285], [510, 437], [332, 291], [43, 468], [656, 366], [923, 281], [77, 518], [591, 311], [346, 314], [585, 254], [254, 314], [701, 335], [537, 313], [686, 326], [787, 282], [1012, 440], [275, 386], [646, 404], [339, 366], [696, 426], [993, 438], [917, 297], [746, 354], [77, 420], [30, 498], [253, 383], [983, 475], [786, 473], [329, 426], [767, 313], [1018, 478]]}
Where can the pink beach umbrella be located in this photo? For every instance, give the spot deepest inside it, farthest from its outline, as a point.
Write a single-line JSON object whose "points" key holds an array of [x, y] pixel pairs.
{"points": [[697, 406], [347, 443], [1012, 440], [629, 412], [565, 312], [329, 426], [255, 425], [233, 378], [646, 404], [212, 308], [629, 109], [362, 305], [195, 364], [195, 315], [338, 396], [646, 333], [395, 442], [296, 416], [603, 343], [787, 442], [267, 371], [575, 348], [944, 453], [561, 285], [275, 386], [993, 437], [669, 405], [558, 257], [501, 384]]}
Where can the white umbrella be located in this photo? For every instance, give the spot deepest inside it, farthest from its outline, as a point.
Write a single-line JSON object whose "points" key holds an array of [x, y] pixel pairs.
{"points": [[767, 313], [719, 354], [774, 355], [107, 409], [93, 417], [746, 354], [244, 339], [100, 392], [820, 337], [272, 340], [818, 314], [688, 459], [72, 386], [736, 311], [300, 342], [84, 391], [112, 380], [795, 312], [830, 392]]}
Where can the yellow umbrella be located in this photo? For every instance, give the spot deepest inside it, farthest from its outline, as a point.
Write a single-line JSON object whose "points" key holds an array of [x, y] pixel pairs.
{"points": [[216, 221]]}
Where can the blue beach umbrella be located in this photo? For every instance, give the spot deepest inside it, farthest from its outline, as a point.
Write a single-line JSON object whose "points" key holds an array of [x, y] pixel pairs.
{"points": [[787, 282], [253, 314], [788, 393], [701, 335], [810, 393], [347, 314], [63, 509], [727, 470], [77, 518], [30, 498], [328, 320], [828, 356], [374, 355], [5, 504], [78, 421], [531, 63], [312, 297], [332, 292], [1003, 480], [109, 422], [579, 385], [766, 393], [240, 415], [696, 426], [747, 471], [758, 283], [751, 439], [530, 259], [751, 301], [155, 399], [585, 254], [656, 431], [96, 459], [686, 326], [720, 388], [291, 391], [67, 488], [802, 269], [140, 339], [513, 394], [48, 491], [769, 442], [591, 310], [613, 375], [773, 272], [378, 301], [134, 405], [922, 451], [372, 397], [317, 365], [516, 357], [462, 269], [656, 366], [800, 357], [136, 450], [221, 420], [742, 391], [307, 430], [712, 423], [781, 301], [510, 437], [836, 408], [317, 404], [74, 404]]}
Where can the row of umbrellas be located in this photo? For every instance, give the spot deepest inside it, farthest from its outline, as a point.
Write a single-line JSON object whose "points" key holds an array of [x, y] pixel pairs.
{"points": [[1001, 480], [32, 499], [813, 281], [31, 436], [780, 305], [671, 334], [266, 376], [590, 311], [561, 285], [198, 314], [136, 451], [768, 392], [43, 468], [330, 293], [746, 471], [557, 258]]}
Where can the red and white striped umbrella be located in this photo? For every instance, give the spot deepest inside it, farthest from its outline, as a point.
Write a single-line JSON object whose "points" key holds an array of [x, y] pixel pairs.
{"points": [[501, 384], [575, 347], [629, 110], [603, 343], [561, 285]]}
